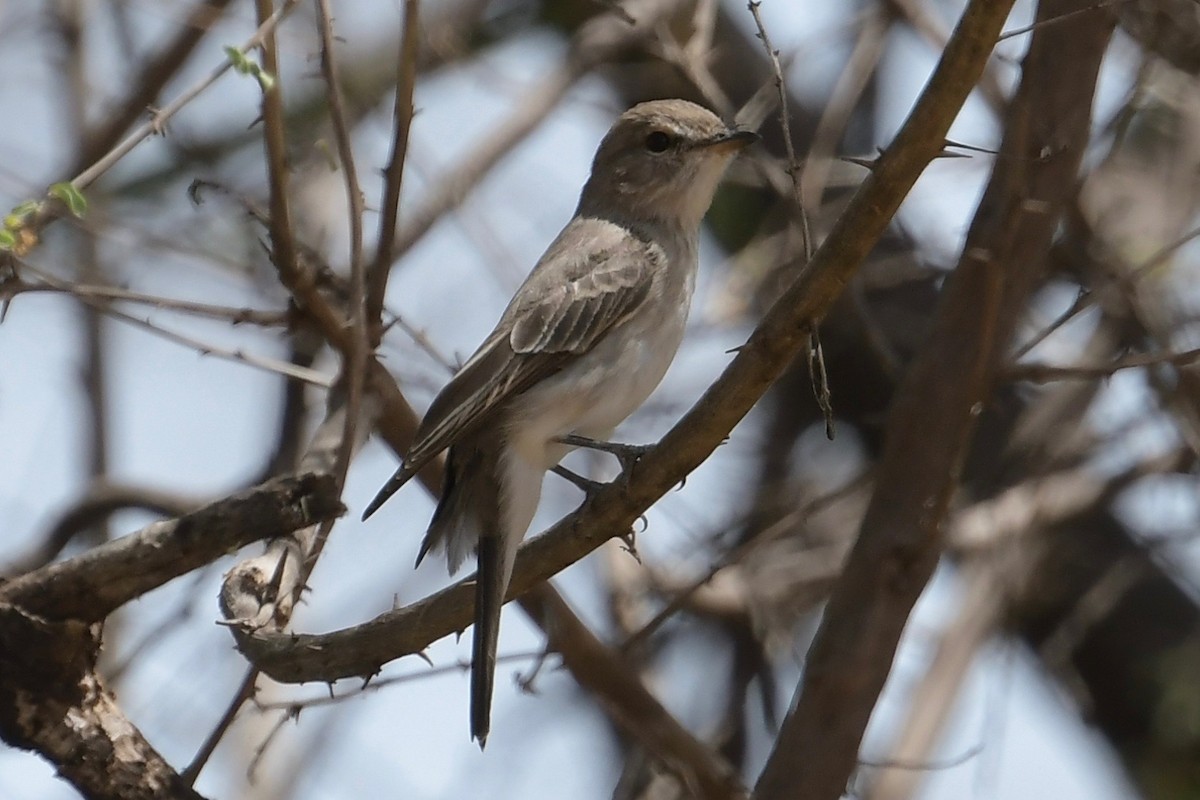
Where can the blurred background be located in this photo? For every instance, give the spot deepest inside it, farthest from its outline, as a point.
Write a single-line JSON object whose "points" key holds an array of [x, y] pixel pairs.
{"points": [[151, 361]]}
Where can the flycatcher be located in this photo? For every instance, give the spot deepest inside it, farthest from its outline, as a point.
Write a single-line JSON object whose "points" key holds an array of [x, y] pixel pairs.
{"points": [[582, 344]]}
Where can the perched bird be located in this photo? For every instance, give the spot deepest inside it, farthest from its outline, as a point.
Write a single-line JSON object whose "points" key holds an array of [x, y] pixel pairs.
{"points": [[585, 340]]}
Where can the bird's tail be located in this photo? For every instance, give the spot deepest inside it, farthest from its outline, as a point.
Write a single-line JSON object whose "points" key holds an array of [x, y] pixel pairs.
{"points": [[488, 501], [497, 554], [489, 599], [469, 517]]}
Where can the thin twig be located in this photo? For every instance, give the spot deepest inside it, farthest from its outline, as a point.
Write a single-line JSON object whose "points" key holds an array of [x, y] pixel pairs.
{"points": [[154, 75], [341, 133], [244, 692], [1128, 281], [816, 359], [237, 355], [330, 698], [1047, 373], [402, 114], [163, 115], [923, 766], [283, 243], [355, 360], [793, 165], [94, 384], [107, 294], [737, 555], [1060, 18], [422, 341], [704, 772]]}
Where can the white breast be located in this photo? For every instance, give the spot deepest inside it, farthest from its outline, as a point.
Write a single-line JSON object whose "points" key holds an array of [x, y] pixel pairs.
{"points": [[593, 395]]}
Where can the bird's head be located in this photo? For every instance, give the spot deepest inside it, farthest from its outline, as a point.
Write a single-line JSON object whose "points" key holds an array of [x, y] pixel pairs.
{"points": [[661, 160]]}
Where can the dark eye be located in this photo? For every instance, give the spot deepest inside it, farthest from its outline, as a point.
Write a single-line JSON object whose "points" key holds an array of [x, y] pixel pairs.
{"points": [[658, 142]]}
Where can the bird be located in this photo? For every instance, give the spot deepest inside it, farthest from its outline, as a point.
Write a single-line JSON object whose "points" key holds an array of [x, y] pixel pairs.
{"points": [[584, 341]]}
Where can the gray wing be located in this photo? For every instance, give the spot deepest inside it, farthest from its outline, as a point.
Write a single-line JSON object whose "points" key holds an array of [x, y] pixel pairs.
{"points": [[588, 282]]}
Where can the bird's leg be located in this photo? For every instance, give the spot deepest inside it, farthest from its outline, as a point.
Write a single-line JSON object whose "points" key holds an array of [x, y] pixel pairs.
{"points": [[586, 485], [626, 454]]}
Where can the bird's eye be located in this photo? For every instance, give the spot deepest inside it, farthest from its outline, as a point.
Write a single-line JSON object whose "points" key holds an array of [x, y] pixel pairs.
{"points": [[658, 142]]}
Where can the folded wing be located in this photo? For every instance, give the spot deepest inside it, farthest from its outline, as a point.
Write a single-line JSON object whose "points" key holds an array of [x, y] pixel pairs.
{"points": [[572, 299]]}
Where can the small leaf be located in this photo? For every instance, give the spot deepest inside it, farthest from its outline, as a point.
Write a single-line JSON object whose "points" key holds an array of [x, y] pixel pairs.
{"points": [[7, 240], [244, 65], [265, 79], [16, 218], [71, 197], [238, 60], [26, 208]]}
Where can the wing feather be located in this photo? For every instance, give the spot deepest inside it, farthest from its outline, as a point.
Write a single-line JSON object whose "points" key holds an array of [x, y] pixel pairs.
{"points": [[544, 328]]}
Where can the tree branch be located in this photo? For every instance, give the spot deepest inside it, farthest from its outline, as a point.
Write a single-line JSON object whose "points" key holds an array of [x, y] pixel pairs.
{"points": [[616, 686], [933, 416], [53, 701], [90, 586]]}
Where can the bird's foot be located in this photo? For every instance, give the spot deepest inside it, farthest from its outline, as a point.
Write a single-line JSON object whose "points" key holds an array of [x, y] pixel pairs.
{"points": [[626, 454]]}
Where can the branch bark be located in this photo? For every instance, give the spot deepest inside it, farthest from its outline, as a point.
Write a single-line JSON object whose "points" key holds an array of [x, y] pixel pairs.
{"points": [[934, 414], [90, 586], [53, 701]]}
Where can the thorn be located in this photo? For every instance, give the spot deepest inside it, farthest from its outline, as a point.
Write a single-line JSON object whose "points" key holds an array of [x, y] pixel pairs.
{"points": [[630, 542], [626, 454], [865, 163], [586, 485]]}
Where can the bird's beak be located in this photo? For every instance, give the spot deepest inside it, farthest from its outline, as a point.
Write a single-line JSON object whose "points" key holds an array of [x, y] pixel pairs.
{"points": [[730, 141]]}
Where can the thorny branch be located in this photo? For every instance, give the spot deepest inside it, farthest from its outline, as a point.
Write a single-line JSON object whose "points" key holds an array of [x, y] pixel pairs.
{"points": [[613, 509]]}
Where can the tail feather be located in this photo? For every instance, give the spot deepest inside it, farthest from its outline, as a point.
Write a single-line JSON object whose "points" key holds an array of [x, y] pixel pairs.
{"points": [[497, 554], [398, 479], [489, 599], [488, 500], [467, 493], [445, 515]]}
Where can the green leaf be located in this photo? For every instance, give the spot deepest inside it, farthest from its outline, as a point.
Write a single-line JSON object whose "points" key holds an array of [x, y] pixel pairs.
{"points": [[71, 197], [16, 218], [26, 208], [245, 65], [265, 79], [7, 240], [241, 63]]}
